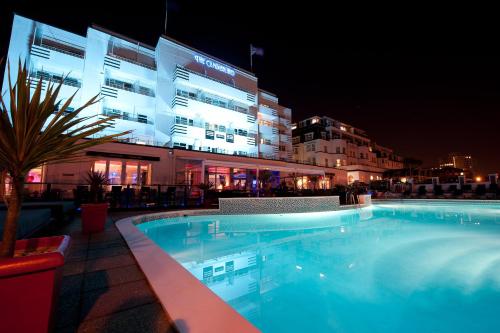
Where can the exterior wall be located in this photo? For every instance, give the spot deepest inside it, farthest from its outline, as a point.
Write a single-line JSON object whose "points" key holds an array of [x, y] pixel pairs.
{"points": [[324, 141], [169, 95]]}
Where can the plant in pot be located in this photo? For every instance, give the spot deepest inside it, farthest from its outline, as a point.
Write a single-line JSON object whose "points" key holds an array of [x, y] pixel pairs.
{"points": [[95, 213], [35, 129], [204, 188]]}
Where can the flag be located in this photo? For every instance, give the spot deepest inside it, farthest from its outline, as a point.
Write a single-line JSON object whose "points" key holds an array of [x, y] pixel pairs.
{"points": [[256, 50]]}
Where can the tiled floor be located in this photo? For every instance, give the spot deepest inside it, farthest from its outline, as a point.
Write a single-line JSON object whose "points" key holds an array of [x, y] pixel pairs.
{"points": [[103, 289]]}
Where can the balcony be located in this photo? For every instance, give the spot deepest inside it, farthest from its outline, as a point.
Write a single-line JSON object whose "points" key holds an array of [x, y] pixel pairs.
{"points": [[55, 78], [59, 46], [140, 118], [132, 87], [133, 56], [182, 95], [211, 85]]}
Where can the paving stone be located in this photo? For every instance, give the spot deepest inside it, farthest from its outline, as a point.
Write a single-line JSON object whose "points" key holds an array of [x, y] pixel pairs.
{"points": [[107, 252], [106, 244], [77, 254], [109, 262], [76, 267], [102, 302], [71, 284], [112, 277]]}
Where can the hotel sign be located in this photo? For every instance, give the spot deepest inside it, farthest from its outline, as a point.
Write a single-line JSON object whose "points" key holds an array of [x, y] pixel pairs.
{"points": [[213, 64]]}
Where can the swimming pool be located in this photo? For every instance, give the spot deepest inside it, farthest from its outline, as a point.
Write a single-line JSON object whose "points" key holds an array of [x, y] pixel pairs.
{"points": [[390, 267]]}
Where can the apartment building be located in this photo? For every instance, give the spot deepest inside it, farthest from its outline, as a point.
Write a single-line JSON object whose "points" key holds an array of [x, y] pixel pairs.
{"points": [[327, 142]]}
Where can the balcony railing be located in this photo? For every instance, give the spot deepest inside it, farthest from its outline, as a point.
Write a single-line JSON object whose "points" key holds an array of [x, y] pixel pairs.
{"points": [[216, 102], [233, 85], [126, 116], [60, 46], [135, 88], [55, 78]]}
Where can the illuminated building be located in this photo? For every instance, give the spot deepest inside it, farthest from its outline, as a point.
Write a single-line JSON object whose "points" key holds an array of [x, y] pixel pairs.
{"points": [[327, 142], [459, 161], [193, 117]]}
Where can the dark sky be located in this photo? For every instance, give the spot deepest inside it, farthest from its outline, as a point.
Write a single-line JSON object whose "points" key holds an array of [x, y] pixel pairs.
{"points": [[423, 80]]}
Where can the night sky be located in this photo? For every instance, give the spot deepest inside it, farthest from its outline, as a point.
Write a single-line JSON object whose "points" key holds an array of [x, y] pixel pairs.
{"points": [[423, 80]]}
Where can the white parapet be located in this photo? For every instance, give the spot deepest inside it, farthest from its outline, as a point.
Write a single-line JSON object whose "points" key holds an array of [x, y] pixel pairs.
{"points": [[278, 205]]}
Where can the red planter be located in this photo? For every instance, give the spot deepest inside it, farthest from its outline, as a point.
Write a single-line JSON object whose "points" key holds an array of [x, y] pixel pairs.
{"points": [[94, 217], [29, 285]]}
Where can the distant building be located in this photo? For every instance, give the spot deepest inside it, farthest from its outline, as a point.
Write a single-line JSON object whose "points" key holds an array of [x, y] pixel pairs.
{"points": [[459, 161], [324, 141]]}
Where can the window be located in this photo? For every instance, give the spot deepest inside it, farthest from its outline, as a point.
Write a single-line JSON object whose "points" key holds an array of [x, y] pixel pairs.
{"points": [[34, 175], [308, 147], [131, 173], [325, 149], [209, 134], [313, 147], [100, 166], [295, 150], [338, 163], [326, 162], [323, 135], [309, 136], [337, 149], [230, 138], [115, 172], [343, 150], [141, 118], [296, 139]]}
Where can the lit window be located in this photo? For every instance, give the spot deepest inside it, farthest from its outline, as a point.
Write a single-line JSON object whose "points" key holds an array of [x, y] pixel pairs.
{"points": [[115, 172], [34, 175], [131, 173], [100, 166], [342, 128]]}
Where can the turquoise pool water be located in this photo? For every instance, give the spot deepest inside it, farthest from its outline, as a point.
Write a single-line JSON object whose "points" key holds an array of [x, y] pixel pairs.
{"points": [[387, 268]]}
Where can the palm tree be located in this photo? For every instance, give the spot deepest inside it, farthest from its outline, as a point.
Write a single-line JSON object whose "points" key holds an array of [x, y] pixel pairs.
{"points": [[314, 180], [30, 138], [204, 187]]}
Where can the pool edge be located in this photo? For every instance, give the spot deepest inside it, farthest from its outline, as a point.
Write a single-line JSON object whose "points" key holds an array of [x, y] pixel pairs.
{"points": [[191, 306]]}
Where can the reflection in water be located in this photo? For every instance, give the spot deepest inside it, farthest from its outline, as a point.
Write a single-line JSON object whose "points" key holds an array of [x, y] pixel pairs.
{"points": [[387, 268]]}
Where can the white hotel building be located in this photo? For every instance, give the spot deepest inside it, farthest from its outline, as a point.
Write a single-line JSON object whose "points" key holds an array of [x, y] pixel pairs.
{"points": [[192, 115]]}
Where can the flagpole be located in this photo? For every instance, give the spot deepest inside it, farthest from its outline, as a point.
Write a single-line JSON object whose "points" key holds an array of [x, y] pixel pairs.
{"points": [[166, 10], [251, 63]]}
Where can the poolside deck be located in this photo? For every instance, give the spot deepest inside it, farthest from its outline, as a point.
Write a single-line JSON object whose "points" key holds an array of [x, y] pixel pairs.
{"points": [[103, 289]]}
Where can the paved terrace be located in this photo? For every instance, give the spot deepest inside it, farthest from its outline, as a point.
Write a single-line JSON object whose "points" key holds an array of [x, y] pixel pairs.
{"points": [[103, 288]]}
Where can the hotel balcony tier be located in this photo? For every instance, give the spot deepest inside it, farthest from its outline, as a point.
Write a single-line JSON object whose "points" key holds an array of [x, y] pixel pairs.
{"points": [[189, 106], [130, 94], [210, 85], [66, 62], [116, 64]]}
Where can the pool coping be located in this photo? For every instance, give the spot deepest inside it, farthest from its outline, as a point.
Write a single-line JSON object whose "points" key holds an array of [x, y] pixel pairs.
{"points": [[193, 307], [473, 201]]}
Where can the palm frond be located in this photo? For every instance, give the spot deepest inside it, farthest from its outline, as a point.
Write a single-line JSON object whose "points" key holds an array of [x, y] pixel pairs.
{"points": [[35, 127]]}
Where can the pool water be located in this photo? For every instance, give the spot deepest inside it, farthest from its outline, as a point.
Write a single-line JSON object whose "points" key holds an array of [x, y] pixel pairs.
{"points": [[392, 267]]}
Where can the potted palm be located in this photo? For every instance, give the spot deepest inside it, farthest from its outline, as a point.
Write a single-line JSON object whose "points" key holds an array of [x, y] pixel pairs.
{"points": [[204, 188], [95, 213], [35, 129]]}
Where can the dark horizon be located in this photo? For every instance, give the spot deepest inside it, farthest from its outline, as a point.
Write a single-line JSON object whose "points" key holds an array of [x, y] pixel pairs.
{"points": [[424, 84]]}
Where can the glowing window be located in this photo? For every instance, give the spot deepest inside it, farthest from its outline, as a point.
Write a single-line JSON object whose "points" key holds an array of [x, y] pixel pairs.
{"points": [[131, 173], [115, 172], [34, 175]]}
